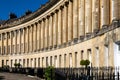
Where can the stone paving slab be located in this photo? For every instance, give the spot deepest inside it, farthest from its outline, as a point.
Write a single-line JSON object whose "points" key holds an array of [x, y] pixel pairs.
{"points": [[13, 76]]}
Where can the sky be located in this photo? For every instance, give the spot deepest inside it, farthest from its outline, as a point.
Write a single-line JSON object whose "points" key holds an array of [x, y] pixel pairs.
{"points": [[19, 7]]}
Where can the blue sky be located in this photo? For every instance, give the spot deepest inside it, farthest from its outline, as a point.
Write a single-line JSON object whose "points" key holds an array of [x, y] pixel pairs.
{"points": [[18, 7]]}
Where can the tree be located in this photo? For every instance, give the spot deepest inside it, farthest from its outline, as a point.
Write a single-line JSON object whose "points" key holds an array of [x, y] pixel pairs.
{"points": [[84, 63], [50, 73], [17, 65]]}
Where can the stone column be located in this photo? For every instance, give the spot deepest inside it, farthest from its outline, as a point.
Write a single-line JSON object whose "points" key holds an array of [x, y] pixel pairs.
{"points": [[7, 43], [42, 34], [119, 8], [28, 39], [65, 24], [47, 31], [17, 31], [51, 31], [75, 19], [105, 12], [2, 43], [46, 26], [25, 45], [20, 41], [39, 25], [23, 40], [70, 21], [15, 41], [35, 36], [11, 42], [32, 38], [81, 18], [88, 16], [56, 14], [95, 15], [60, 26], [114, 9], [55, 29], [34, 31], [37, 32]]}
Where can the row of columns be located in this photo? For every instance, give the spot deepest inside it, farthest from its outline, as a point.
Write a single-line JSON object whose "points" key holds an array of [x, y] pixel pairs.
{"points": [[72, 20]]}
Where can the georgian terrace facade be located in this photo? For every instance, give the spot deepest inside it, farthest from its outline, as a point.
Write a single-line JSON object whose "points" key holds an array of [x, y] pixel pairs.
{"points": [[64, 34]]}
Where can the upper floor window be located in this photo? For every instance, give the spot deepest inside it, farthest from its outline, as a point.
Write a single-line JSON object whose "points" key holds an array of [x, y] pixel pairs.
{"points": [[82, 54]]}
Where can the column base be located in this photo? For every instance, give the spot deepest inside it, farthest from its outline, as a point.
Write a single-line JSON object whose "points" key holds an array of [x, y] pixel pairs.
{"points": [[88, 35], [64, 44], [55, 46], [81, 38], [46, 48], [75, 41], [42, 49], [104, 27], [69, 43], [115, 23], [59, 46], [95, 32]]}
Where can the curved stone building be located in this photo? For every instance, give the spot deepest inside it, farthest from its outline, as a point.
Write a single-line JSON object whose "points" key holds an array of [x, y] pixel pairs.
{"points": [[63, 32]]}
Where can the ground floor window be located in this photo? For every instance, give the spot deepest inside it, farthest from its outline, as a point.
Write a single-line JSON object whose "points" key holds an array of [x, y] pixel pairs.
{"points": [[27, 62], [23, 62], [97, 57], [50, 60], [65, 60], [47, 62], [106, 54], [55, 61], [34, 62], [42, 61], [70, 59], [60, 61], [11, 63], [75, 59], [38, 62], [82, 54]]}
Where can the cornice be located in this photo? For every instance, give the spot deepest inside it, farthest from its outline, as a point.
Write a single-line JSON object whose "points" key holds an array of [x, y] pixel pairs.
{"points": [[17, 21]]}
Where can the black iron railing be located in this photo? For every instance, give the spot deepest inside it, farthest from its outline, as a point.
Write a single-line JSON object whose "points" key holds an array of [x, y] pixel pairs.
{"points": [[89, 73]]}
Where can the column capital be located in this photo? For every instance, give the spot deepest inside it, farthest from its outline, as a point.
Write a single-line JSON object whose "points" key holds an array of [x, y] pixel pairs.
{"points": [[61, 7], [52, 14], [23, 28], [36, 23], [7, 32], [56, 11], [71, 0], [43, 19], [66, 3], [39, 21], [32, 25], [28, 27], [48, 17]]}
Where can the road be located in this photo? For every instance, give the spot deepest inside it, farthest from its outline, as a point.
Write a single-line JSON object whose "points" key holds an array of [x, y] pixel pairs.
{"points": [[13, 76]]}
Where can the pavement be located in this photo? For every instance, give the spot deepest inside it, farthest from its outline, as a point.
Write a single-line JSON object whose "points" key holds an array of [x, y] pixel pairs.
{"points": [[14, 76]]}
